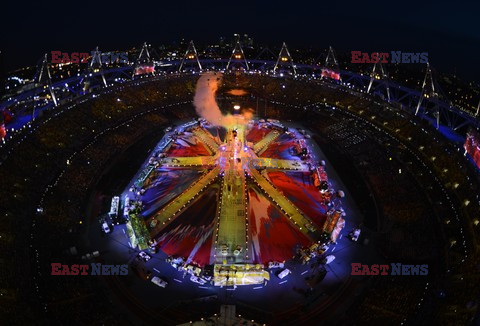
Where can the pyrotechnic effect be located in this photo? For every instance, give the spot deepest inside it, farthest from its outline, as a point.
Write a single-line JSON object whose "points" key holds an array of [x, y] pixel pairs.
{"points": [[206, 105]]}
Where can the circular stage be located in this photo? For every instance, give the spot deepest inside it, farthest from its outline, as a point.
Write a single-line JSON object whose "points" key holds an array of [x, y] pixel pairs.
{"points": [[253, 194], [260, 213]]}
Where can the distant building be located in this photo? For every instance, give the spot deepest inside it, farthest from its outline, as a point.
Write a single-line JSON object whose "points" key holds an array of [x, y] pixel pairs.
{"points": [[222, 41], [247, 41]]}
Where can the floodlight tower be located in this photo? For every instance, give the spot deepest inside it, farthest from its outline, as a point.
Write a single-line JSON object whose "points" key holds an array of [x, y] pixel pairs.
{"points": [[238, 57], [190, 54], [284, 59], [143, 59], [96, 65], [331, 68], [431, 92], [379, 74], [44, 77]]}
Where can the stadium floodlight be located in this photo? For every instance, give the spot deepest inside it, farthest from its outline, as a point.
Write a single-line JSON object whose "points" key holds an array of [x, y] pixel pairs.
{"points": [[144, 63], [432, 92], [95, 66], [190, 54], [237, 56], [284, 59], [379, 74]]}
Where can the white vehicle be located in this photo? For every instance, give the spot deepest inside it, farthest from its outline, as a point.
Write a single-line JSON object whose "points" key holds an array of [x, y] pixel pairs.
{"points": [[329, 259], [145, 257], [177, 263], [105, 227], [198, 280], [275, 264], [355, 234], [158, 281], [126, 209], [284, 273], [114, 206]]}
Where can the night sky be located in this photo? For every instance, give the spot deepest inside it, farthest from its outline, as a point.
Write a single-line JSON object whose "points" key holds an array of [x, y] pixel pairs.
{"points": [[448, 31]]}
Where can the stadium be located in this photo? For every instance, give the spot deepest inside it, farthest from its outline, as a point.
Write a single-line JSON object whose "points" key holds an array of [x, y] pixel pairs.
{"points": [[237, 191]]}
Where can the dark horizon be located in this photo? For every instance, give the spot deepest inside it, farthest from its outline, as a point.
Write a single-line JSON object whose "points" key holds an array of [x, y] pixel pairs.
{"points": [[446, 31]]}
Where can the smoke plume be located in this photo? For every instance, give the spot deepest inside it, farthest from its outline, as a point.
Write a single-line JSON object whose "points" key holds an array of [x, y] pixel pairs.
{"points": [[206, 104]]}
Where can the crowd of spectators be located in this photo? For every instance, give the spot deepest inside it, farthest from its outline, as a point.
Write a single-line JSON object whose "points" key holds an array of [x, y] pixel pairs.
{"points": [[46, 182], [426, 191], [45, 185]]}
